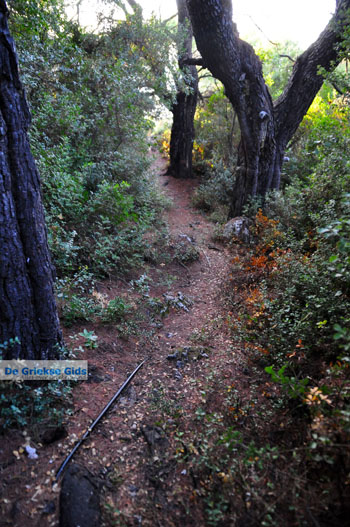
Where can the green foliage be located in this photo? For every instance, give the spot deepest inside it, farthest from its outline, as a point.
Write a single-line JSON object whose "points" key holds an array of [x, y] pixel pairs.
{"points": [[75, 300], [294, 387], [115, 310], [28, 405], [319, 165], [111, 203], [294, 314], [90, 341], [278, 61], [35, 18], [186, 252], [339, 77], [234, 472], [215, 188], [91, 143], [312, 261], [216, 128]]}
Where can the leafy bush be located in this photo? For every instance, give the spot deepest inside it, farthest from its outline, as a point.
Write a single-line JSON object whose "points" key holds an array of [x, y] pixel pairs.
{"points": [[215, 189], [91, 144], [115, 310], [28, 405], [186, 252], [75, 298], [216, 127]]}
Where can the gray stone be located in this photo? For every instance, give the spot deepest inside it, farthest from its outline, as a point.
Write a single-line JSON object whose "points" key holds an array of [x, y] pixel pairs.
{"points": [[238, 229]]}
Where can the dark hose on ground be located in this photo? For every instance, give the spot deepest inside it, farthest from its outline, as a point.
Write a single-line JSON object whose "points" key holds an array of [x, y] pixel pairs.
{"points": [[92, 426]]}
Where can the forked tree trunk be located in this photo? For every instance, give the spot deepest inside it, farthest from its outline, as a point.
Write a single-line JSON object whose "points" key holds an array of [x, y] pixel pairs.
{"points": [[182, 131], [27, 303], [266, 127]]}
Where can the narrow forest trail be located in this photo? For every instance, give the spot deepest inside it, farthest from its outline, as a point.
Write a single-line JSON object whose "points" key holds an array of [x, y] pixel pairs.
{"points": [[189, 346], [132, 453], [154, 489], [201, 280]]}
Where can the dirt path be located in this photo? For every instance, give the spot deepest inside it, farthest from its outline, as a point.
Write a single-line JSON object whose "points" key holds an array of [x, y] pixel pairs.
{"points": [[201, 280], [131, 454], [154, 489]]}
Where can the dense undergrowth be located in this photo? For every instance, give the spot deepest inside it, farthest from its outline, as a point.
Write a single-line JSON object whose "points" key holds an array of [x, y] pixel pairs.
{"points": [[92, 99]]}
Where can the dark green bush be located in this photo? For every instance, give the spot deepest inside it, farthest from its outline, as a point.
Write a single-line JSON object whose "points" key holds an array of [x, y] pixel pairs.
{"points": [[89, 133]]}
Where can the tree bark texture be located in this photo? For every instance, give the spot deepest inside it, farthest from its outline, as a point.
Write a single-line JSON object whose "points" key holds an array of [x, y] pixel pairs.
{"points": [[266, 127], [27, 302], [184, 108]]}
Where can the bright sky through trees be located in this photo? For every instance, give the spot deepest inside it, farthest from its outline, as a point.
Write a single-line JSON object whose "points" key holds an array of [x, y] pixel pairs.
{"points": [[300, 21]]}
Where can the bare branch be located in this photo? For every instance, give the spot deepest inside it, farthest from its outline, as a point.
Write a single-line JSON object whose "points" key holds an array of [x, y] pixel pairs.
{"points": [[337, 89], [169, 19], [261, 31], [288, 57], [192, 62]]}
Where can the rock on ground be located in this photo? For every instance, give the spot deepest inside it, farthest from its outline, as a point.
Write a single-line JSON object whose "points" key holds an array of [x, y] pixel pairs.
{"points": [[79, 499], [238, 228]]}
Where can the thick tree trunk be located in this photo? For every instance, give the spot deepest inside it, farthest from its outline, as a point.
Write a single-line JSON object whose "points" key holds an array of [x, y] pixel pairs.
{"points": [[182, 131], [266, 128], [27, 303], [182, 135]]}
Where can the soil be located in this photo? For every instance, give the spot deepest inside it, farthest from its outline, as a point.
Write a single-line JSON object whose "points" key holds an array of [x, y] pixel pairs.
{"points": [[132, 452]]}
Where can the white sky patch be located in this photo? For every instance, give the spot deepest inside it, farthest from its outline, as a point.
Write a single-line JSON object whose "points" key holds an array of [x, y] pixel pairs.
{"points": [[300, 21]]}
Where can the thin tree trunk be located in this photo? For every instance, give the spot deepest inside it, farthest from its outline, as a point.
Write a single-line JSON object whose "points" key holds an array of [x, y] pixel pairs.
{"points": [[27, 302], [182, 132]]}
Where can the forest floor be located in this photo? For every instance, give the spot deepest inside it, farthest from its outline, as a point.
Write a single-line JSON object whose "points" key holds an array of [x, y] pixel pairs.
{"points": [[136, 454]]}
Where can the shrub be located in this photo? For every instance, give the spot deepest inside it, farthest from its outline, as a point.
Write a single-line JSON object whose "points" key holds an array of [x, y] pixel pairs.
{"points": [[29, 405], [115, 310], [216, 188]]}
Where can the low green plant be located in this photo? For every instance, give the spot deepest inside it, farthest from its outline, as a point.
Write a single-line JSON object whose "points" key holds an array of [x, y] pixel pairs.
{"points": [[25, 404], [293, 317], [295, 388], [215, 189], [142, 284], [90, 339], [75, 299], [186, 252], [232, 468], [116, 310]]}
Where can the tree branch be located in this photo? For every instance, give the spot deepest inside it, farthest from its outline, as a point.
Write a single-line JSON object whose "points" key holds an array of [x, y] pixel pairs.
{"points": [[191, 61], [205, 76], [287, 57], [165, 22], [261, 31], [337, 89], [232, 61], [305, 80]]}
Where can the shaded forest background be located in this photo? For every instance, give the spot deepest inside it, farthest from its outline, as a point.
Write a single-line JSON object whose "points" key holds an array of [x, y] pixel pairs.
{"points": [[98, 115]]}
